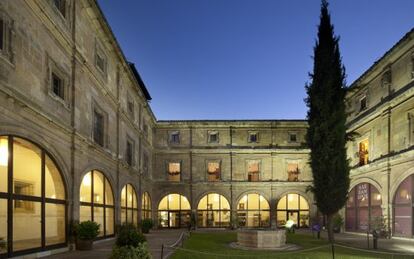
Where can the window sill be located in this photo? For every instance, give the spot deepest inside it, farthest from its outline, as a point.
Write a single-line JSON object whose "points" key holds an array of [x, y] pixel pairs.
{"points": [[61, 101]]}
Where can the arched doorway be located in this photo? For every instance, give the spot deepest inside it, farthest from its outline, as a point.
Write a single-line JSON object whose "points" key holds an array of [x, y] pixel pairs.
{"points": [[293, 207], [404, 208], [146, 206], [97, 202], [32, 198], [174, 211], [253, 210], [213, 211], [363, 206], [129, 206]]}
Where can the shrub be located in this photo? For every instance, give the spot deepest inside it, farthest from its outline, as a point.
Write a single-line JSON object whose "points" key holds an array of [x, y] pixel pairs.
{"points": [[128, 235], [338, 222], [130, 252], [146, 225], [87, 230]]}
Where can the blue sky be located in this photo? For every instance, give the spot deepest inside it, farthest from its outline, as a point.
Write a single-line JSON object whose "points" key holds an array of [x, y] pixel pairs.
{"points": [[245, 59]]}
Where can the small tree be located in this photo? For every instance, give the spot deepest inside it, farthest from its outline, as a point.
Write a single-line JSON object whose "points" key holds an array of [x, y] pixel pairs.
{"points": [[326, 134]]}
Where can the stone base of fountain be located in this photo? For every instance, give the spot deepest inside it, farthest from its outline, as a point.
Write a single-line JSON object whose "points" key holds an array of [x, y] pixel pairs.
{"points": [[262, 239]]}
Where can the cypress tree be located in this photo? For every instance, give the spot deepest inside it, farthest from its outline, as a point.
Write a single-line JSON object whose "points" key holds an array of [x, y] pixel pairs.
{"points": [[326, 134]]}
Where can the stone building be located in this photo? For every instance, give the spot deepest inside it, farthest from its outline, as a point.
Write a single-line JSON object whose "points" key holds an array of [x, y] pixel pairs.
{"points": [[78, 141], [381, 109]]}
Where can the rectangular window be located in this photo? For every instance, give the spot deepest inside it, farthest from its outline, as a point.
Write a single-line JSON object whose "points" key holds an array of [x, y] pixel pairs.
{"points": [[145, 162], [363, 103], [253, 137], [131, 109], [293, 172], [213, 171], [60, 5], [100, 62], [175, 137], [57, 86], [129, 153], [292, 137], [174, 171], [213, 137], [2, 34], [363, 152], [145, 128], [253, 171], [98, 128]]}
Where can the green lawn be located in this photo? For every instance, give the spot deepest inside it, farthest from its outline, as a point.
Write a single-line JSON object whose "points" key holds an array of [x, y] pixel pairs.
{"points": [[216, 245]]}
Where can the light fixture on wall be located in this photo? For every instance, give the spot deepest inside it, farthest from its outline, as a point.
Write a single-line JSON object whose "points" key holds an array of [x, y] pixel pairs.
{"points": [[4, 152], [378, 197]]}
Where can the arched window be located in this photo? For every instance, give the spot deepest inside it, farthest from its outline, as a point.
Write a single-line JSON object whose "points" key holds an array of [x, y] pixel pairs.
{"points": [[292, 207], [129, 206], [97, 202], [174, 211], [253, 211], [146, 206], [404, 208], [213, 211], [363, 206], [31, 182]]}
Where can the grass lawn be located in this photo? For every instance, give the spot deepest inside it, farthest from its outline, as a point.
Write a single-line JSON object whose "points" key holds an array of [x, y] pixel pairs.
{"points": [[216, 245]]}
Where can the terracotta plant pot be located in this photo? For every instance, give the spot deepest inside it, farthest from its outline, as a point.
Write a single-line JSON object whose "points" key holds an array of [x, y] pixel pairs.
{"points": [[84, 245]]}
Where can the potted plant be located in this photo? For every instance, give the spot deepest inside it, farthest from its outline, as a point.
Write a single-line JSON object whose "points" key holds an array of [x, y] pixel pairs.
{"points": [[86, 232], [146, 225], [338, 222]]}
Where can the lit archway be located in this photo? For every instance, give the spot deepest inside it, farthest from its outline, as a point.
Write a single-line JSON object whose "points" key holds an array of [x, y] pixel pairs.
{"points": [[253, 210], [174, 211], [32, 198], [292, 207], [404, 208], [129, 206], [146, 206], [213, 211], [363, 206], [97, 202]]}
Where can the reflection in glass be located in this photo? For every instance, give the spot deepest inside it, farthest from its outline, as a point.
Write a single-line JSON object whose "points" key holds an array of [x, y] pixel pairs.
{"points": [[292, 207], [99, 202], [404, 208], [253, 211], [146, 206], [3, 225], [129, 213], [213, 211], [174, 211], [363, 206], [25, 237], [54, 184], [27, 167], [4, 156], [55, 224]]}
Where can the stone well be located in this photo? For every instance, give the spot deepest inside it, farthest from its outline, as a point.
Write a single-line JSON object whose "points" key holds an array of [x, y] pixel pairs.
{"points": [[260, 238]]}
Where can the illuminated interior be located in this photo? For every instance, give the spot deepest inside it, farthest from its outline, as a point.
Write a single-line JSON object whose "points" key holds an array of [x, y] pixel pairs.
{"points": [[363, 152], [404, 208], [97, 202], [30, 165], [174, 172], [174, 211], [129, 206], [292, 207], [363, 205], [146, 206], [253, 211], [213, 211], [253, 171]]}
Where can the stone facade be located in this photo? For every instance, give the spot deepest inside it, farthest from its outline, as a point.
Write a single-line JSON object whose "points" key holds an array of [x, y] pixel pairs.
{"points": [[62, 72]]}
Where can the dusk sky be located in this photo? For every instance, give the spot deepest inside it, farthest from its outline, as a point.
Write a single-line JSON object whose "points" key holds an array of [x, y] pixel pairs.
{"points": [[245, 59]]}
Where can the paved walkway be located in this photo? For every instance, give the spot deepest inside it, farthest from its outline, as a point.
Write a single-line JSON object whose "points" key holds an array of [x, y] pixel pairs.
{"points": [[395, 245], [102, 249]]}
